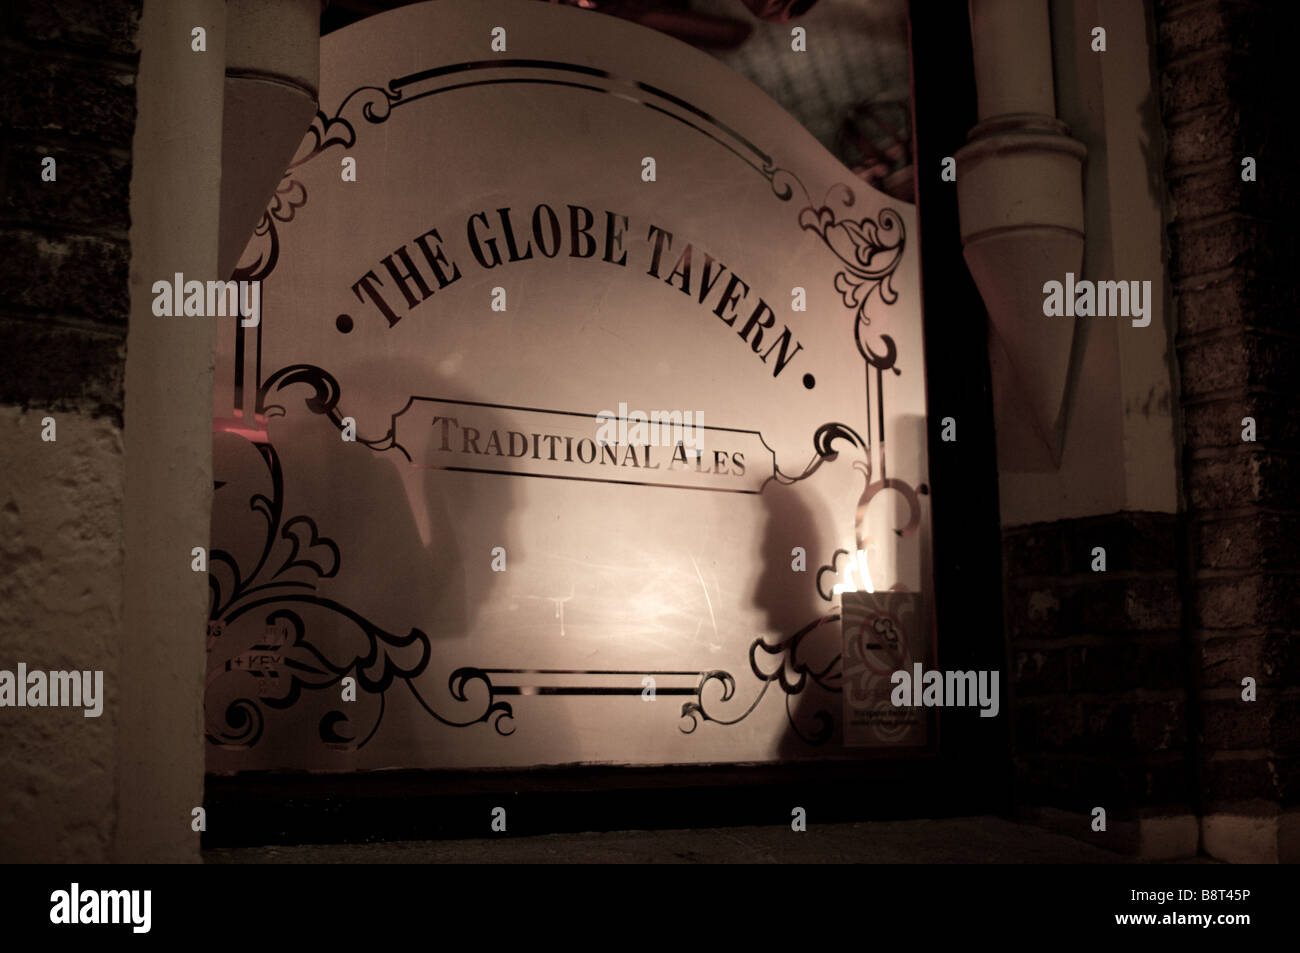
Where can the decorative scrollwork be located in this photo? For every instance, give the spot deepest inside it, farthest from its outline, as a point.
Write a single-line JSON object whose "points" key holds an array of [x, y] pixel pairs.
{"points": [[788, 651], [285, 662], [783, 182], [329, 131], [290, 195], [833, 567], [324, 401], [325, 132], [870, 250], [823, 451]]}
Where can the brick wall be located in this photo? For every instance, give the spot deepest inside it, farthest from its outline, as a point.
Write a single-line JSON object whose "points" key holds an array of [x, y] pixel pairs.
{"points": [[1099, 666], [1225, 95], [1127, 684], [69, 92]]}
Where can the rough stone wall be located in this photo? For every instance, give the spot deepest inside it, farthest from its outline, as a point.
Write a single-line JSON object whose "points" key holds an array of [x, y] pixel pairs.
{"points": [[69, 92], [1227, 93]]}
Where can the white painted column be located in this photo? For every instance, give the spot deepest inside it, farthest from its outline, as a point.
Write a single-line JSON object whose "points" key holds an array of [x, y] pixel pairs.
{"points": [[175, 222], [1020, 203], [214, 131]]}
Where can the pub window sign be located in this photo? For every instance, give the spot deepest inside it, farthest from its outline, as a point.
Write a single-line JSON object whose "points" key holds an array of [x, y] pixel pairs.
{"points": [[535, 457]]}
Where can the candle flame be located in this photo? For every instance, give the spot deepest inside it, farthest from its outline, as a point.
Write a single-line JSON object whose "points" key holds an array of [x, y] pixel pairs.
{"points": [[856, 582]]}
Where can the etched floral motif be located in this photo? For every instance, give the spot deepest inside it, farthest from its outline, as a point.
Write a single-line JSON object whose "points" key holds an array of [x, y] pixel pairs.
{"points": [[870, 250], [280, 657]]}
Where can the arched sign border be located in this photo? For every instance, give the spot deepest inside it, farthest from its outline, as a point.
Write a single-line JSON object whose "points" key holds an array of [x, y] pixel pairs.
{"points": [[868, 250]]}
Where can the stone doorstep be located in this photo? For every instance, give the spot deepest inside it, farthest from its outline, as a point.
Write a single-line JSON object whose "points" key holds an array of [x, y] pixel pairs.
{"points": [[1237, 838]]}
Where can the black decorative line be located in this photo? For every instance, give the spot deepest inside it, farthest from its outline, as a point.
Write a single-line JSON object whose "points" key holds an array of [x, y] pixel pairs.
{"points": [[270, 510], [398, 84], [287, 646], [322, 382], [293, 561], [826, 678], [456, 682], [825, 723], [330, 673], [590, 671], [783, 182], [834, 569], [788, 649], [379, 103], [289, 196], [328, 728], [585, 690], [245, 723], [871, 252], [308, 667], [299, 665], [858, 244], [240, 335], [762, 167], [324, 401], [545, 410], [583, 479], [823, 450], [329, 131], [328, 393]]}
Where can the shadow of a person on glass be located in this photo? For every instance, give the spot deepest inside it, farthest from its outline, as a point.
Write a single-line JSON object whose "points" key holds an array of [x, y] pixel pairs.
{"points": [[795, 616], [370, 555]]}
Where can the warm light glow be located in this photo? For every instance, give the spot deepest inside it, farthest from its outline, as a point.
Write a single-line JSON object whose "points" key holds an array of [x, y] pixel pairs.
{"points": [[859, 582], [238, 425]]}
